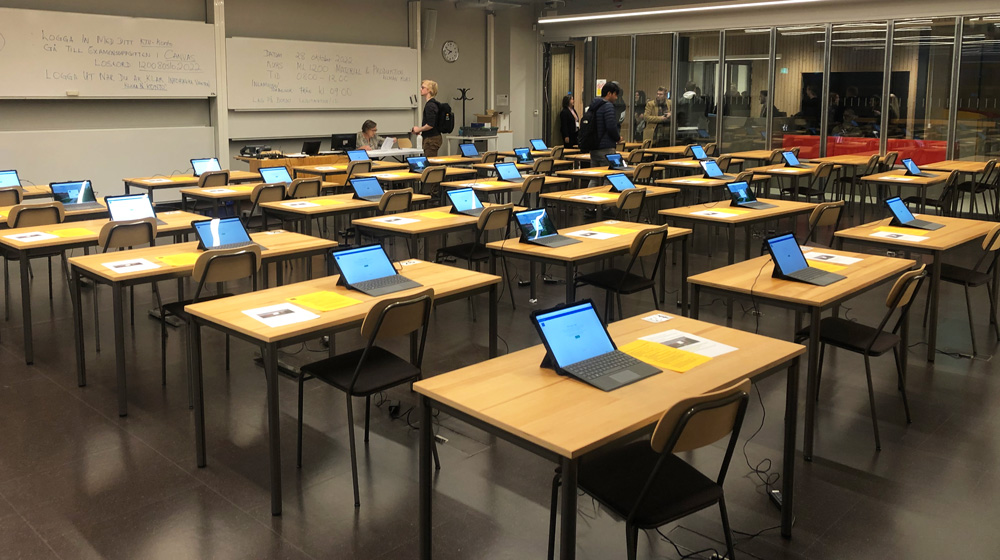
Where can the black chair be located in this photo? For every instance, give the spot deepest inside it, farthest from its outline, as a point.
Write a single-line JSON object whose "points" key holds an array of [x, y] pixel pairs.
{"points": [[255, 219], [986, 185], [30, 215], [817, 184], [980, 274], [648, 485], [493, 218], [625, 281], [366, 371], [628, 207], [945, 203], [849, 184], [873, 341]]}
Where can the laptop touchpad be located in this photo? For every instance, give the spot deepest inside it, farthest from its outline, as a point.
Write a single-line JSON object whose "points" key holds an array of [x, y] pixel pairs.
{"points": [[625, 376]]}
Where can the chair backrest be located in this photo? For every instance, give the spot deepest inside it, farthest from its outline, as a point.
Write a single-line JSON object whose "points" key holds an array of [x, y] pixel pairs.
{"points": [[646, 144], [432, 175], [30, 215], [398, 316], [648, 242], [495, 217], [395, 201], [821, 177], [871, 167], [225, 265], [532, 185], [557, 152], [745, 176], [635, 157], [991, 173], [133, 233], [901, 297], [889, 161], [724, 162], [991, 242], [11, 196], [267, 192], [489, 157], [620, 146], [213, 179], [687, 150], [642, 173], [304, 188], [631, 199], [825, 214], [542, 166], [795, 150], [404, 142], [710, 148], [355, 167], [703, 420]]}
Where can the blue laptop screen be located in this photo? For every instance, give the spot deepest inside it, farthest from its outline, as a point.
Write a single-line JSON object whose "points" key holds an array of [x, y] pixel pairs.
{"points": [[367, 186], [899, 209], [535, 224], [911, 166], [9, 179], [464, 199], [711, 168], [205, 164], [523, 155], [357, 155], [574, 334], [417, 164], [620, 182], [73, 192], [469, 150], [790, 158], [615, 161], [130, 207], [275, 175], [698, 152], [741, 192], [508, 171], [538, 144], [224, 231], [364, 263], [787, 253]]}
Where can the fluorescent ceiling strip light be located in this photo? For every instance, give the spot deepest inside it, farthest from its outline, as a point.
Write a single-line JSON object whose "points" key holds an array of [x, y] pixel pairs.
{"points": [[670, 11]]}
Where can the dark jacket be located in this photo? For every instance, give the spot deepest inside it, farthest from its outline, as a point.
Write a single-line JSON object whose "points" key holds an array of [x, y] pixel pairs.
{"points": [[431, 118], [608, 131], [567, 127]]}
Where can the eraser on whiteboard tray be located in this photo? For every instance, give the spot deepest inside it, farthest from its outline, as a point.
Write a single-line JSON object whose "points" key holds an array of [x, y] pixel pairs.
{"points": [[72, 93]]}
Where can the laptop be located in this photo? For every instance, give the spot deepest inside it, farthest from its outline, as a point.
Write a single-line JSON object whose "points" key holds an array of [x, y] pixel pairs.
{"points": [[744, 197], [222, 233], [615, 161], [508, 171], [465, 201], [912, 169], [698, 152], [538, 144], [357, 155], [468, 150], [619, 182], [367, 188], [791, 264], [901, 216], [713, 171], [368, 270], [9, 178], [417, 164], [578, 345], [75, 195], [202, 165], [275, 174], [536, 227], [127, 207], [523, 155], [311, 147], [792, 161]]}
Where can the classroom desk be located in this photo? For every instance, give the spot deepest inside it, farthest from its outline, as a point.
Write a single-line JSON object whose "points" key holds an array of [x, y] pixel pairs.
{"points": [[592, 173], [150, 184], [538, 410], [955, 233], [308, 209], [722, 214], [453, 160], [541, 153], [72, 215], [77, 234], [416, 224], [450, 284], [496, 186], [589, 250], [36, 191], [960, 165], [324, 171], [689, 164], [900, 178], [220, 195], [780, 170], [752, 278], [584, 157], [281, 245], [396, 153], [668, 151], [700, 182], [603, 198], [403, 176], [489, 167], [756, 155], [289, 162]]}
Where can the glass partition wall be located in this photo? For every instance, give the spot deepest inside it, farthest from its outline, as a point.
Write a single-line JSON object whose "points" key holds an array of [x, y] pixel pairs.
{"points": [[799, 84], [696, 91], [746, 70], [614, 64], [653, 56], [977, 112]]}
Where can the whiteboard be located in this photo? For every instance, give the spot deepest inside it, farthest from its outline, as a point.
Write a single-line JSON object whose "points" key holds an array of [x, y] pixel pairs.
{"points": [[46, 54], [268, 74]]}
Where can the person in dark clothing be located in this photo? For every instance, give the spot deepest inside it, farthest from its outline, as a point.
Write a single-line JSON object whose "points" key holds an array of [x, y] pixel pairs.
{"points": [[428, 128], [569, 121], [608, 131], [811, 108]]}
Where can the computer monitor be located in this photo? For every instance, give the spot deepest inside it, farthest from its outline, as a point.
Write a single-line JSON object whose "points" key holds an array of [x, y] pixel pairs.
{"points": [[357, 155], [538, 144], [741, 193], [9, 178], [72, 192], [468, 150], [343, 142], [275, 174], [363, 263], [574, 333], [367, 187], [310, 147], [615, 161], [787, 254], [202, 165], [899, 210]]}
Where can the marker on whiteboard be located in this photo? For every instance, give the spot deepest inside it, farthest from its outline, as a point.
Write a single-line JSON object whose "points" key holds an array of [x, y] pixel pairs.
{"points": [[72, 93]]}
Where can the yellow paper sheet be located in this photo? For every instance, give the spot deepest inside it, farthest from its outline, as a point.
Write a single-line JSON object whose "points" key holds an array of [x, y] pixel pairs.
{"points": [[662, 356], [613, 230], [327, 202], [698, 180], [729, 210], [606, 196], [180, 259], [903, 230], [3, 215], [829, 267], [437, 215], [71, 232], [323, 300], [240, 188]]}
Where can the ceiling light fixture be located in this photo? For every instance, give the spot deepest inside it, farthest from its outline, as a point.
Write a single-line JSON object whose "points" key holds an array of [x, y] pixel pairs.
{"points": [[670, 11]]}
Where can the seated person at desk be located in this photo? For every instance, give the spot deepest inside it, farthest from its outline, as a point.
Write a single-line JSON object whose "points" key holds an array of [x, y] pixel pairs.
{"points": [[368, 138]]}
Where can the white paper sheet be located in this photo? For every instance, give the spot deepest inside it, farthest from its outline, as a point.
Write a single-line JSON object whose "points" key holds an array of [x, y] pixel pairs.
{"points": [[830, 258], [899, 236], [394, 220], [299, 204], [219, 191], [690, 343], [657, 318], [280, 315], [713, 214], [31, 236], [131, 265], [158, 180], [591, 234]]}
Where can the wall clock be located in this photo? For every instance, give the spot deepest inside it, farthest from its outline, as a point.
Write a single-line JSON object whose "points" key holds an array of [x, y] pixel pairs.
{"points": [[449, 50]]}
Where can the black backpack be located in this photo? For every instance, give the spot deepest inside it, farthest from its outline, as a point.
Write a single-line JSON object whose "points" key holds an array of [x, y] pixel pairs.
{"points": [[587, 137], [445, 118]]}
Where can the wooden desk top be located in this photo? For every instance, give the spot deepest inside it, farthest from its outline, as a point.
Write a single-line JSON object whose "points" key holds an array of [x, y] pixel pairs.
{"points": [[232, 192], [176, 222], [961, 165], [731, 214], [70, 212], [228, 312], [602, 196], [593, 172], [279, 244], [755, 274], [571, 418], [854, 160], [452, 160], [956, 231], [900, 176], [780, 169], [330, 204], [753, 154], [585, 156], [489, 166], [429, 220], [397, 176], [702, 181], [666, 150], [498, 185], [541, 153], [689, 163], [36, 191], [187, 180], [588, 247], [334, 168]]}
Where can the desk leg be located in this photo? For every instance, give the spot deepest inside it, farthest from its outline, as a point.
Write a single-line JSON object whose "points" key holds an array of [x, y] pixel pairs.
{"points": [[695, 297], [273, 426], [730, 259], [934, 288], [81, 358], [198, 385], [788, 457], [117, 292], [424, 475], [685, 306], [571, 285], [814, 320], [534, 289], [493, 307], [567, 525], [746, 241], [29, 354]]}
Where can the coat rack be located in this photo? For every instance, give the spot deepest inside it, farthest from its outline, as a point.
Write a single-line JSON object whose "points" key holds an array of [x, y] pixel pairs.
{"points": [[465, 97]]}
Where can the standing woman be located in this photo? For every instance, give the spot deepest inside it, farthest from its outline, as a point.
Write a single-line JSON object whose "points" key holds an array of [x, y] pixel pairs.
{"points": [[569, 121]]}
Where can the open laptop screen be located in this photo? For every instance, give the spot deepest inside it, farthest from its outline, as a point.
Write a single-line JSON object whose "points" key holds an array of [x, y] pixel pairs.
{"points": [[535, 224], [129, 207], [615, 161], [574, 334], [417, 164], [275, 174], [698, 152], [367, 186], [221, 231], [205, 164], [790, 158], [911, 166], [711, 168], [741, 192], [538, 144], [72, 192], [364, 263], [9, 179], [620, 182], [469, 150], [464, 199], [787, 253], [523, 155], [899, 210], [357, 155], [508, 171]]}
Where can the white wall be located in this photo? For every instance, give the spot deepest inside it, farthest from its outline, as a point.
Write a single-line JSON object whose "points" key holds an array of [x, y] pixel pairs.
{"points": [[468, 29]]}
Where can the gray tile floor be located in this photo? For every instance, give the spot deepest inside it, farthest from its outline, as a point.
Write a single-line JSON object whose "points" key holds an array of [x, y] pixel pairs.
{"points": [[77, 481]]}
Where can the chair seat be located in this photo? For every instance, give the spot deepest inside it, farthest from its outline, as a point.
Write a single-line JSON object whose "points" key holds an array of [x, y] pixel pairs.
{"points": [[806, 191], [468, 251], [969, 186], [177, 308], [616, 280], [383, 370], [852, 336], [964, 276], [916, 201], [616, 479]]}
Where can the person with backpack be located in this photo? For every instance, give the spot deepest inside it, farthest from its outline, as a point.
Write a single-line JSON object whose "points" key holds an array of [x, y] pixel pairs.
{"points": [[429, 129], [600, 130]]}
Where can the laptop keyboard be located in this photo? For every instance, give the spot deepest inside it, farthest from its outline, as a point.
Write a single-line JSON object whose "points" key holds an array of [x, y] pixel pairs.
{"points": [[84, 206], [595, 367], [383, 282], [235, 245], [810, 273]]}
